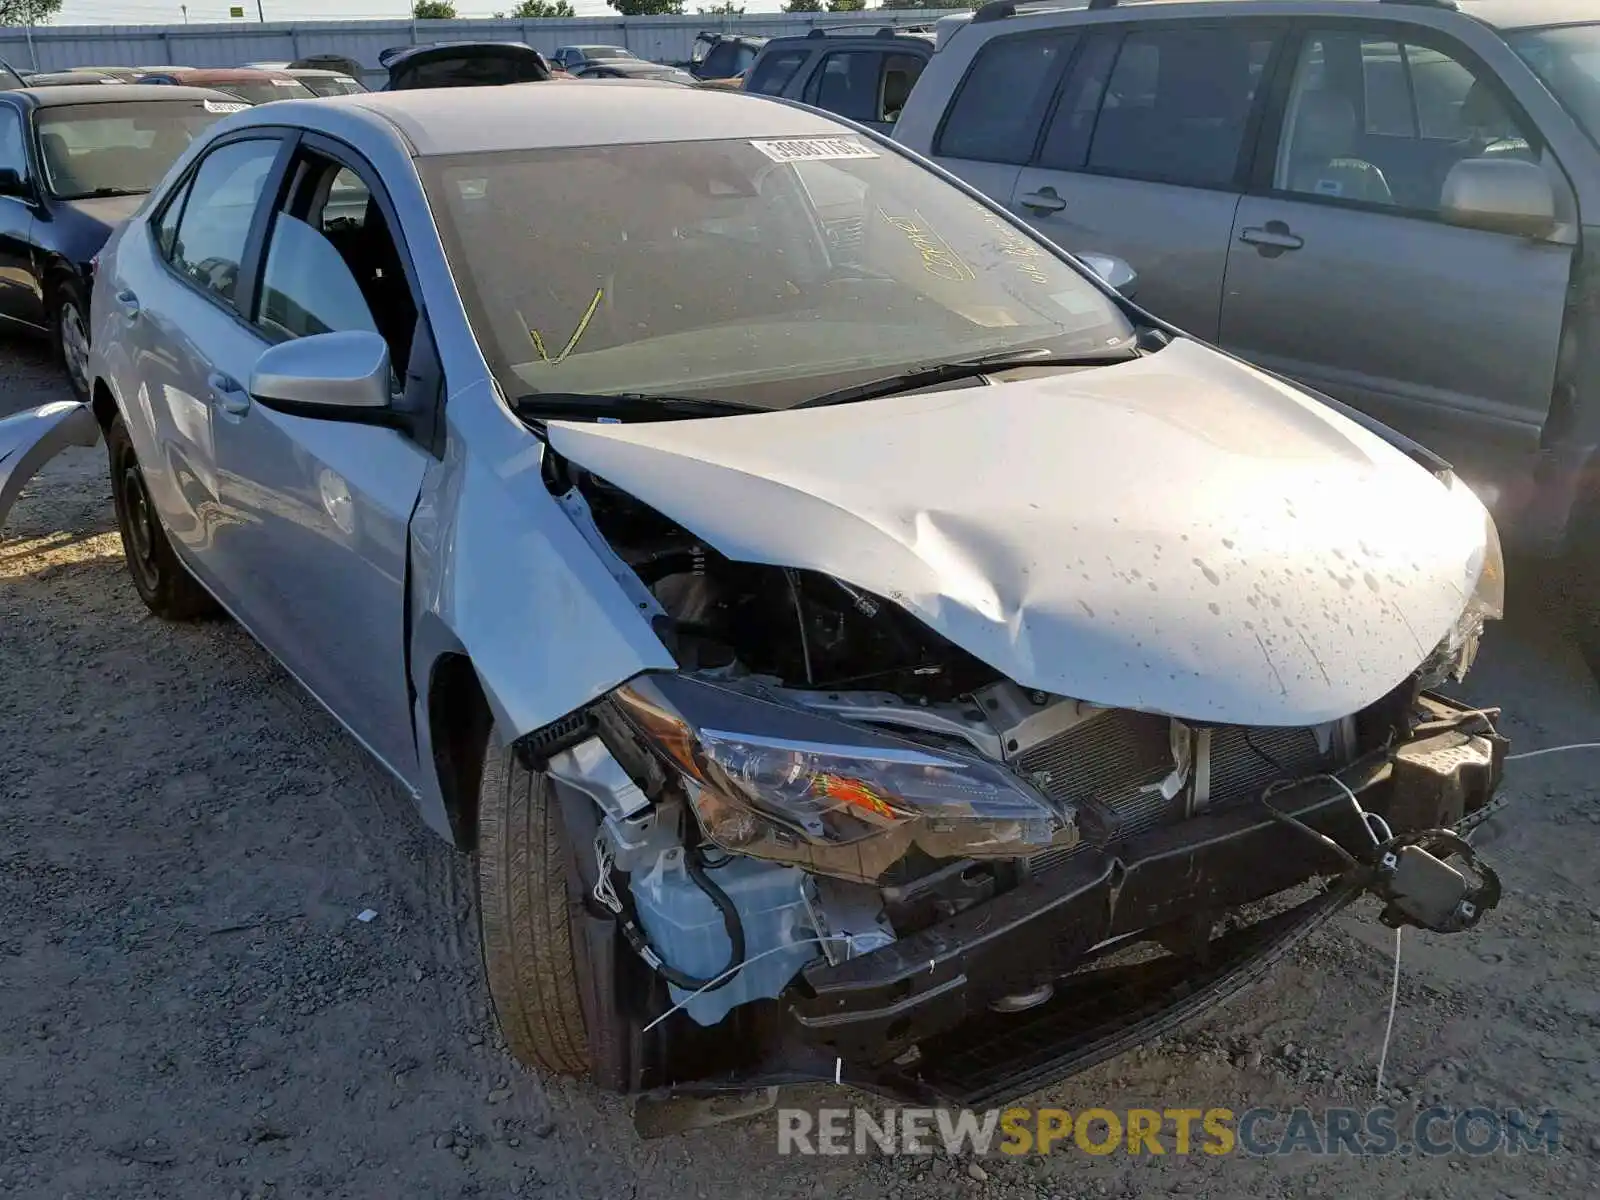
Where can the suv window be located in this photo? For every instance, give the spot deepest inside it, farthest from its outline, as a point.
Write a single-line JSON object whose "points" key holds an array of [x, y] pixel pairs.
{"points": [[773, 73], [1177, 104], [216, 219], [1008, 80], [1374, 121], [864, 85]]}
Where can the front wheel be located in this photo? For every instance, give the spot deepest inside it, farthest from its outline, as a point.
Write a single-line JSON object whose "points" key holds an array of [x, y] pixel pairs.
{"points": [[163, 583], [69, 328], [527, 914]]}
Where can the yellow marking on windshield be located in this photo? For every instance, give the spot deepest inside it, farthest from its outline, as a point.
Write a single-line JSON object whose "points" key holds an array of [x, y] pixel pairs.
{"points": [[939, 258], [583, 324]]}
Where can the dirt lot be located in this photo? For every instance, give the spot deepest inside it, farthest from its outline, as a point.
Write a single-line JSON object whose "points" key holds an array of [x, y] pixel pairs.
{"points": [[189, 1008]]}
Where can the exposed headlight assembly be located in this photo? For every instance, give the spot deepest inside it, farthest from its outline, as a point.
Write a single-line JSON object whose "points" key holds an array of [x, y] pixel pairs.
{"points": [[778, 783]]}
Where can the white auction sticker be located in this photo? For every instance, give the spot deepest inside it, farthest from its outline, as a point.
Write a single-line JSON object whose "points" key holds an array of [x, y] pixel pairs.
{"points": [[814, 149], [225, 106]]}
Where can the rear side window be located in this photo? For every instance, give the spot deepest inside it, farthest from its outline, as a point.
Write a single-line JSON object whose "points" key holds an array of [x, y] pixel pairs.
{"points": [[216, 220], [1007, 83], [1177, 104], [773, 73]]}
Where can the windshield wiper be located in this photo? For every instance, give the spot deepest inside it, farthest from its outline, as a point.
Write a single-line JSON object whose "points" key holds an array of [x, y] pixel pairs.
{"points": [[97, 193], [966, 368], [623, 406]]}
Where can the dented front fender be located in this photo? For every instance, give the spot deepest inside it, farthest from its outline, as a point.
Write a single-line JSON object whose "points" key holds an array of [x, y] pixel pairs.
{"points": [[31, 438]]}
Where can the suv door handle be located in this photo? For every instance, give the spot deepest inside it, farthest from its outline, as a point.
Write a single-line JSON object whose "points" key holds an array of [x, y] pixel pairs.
{"points": [[130, 304], [229, 395], [1044, 200], [1274, 235]]}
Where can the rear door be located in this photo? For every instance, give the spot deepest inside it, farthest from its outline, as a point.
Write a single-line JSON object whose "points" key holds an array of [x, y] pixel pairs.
{"points": [[1144, 156], [178, 308], [318, 557], [1341, 271], [989, 130]]}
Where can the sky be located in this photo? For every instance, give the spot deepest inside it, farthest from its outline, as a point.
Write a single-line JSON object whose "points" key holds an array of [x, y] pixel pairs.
{"points": [[169, 12]]}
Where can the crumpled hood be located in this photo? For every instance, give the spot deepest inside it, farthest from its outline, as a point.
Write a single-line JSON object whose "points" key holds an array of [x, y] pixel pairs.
{"points": [[1181, 534]]}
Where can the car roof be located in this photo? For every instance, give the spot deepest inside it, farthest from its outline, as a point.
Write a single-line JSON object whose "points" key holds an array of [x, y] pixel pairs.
{"points": [[218, 74], [827, 36], [1502, 14], [55, 95], [539, 116]]}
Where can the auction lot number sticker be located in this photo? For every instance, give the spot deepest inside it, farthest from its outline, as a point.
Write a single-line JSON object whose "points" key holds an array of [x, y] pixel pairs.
{"points": [[814, 149]]}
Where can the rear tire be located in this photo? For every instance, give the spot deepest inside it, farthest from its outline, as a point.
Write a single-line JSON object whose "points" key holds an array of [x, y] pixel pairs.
{"points": [[163, 583], [527, 915], [69, 333]]}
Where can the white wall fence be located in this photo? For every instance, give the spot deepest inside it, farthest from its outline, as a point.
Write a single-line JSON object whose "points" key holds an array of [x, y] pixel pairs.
{"points": [[665, 39]]}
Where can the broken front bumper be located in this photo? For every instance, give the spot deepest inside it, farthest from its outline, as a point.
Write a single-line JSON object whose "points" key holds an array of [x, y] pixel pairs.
{"points": [[914, 1020], [30, 438]]}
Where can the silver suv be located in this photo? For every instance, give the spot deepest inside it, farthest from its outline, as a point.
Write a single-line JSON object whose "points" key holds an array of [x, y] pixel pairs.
{"points": [[1384, 199]]}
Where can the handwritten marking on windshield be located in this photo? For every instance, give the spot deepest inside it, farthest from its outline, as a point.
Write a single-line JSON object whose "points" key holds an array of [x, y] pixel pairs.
{"points": [[939, 258], [583, 324], [1019, 248]]}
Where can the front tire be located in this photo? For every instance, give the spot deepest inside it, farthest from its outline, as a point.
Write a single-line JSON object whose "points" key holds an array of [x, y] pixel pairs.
{"points": [[69, 333], [163, 583], [527, 915]]}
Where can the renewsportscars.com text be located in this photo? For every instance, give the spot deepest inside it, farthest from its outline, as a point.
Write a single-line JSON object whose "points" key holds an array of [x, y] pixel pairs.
{"points": [[1254, 1132]]}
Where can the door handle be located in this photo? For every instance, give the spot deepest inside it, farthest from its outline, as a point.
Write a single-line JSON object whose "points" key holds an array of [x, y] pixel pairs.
{"points": [[1044, 200], [130, 304], [229, 395], [1274, 235]]}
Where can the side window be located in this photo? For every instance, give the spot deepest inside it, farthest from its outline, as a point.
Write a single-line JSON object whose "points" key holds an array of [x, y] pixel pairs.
{"points": [[307, 287], [333, 265], [1066, 140], [216, 219], [12, 152], [167, 225], [1010, 79], [1375, 121], [721, 62], [1177, 104], [774, 72], [847, 84], [900, 72]]}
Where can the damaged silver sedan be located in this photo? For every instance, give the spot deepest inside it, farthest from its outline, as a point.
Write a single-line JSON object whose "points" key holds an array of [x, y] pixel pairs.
{"points": [[854, 641]]}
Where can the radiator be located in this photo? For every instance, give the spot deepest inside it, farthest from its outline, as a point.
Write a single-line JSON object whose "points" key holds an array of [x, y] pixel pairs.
{"points": [[1119, 759]]}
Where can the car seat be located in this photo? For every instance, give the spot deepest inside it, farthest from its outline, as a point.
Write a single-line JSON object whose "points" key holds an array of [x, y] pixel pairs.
{"points": [[59, 164], [1321, 162]]}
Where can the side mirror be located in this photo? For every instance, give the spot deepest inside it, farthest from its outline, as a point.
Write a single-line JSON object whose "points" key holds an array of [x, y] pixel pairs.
{"points": [[1503, 195], [12, 183], [334, 375], [1113, 271]]}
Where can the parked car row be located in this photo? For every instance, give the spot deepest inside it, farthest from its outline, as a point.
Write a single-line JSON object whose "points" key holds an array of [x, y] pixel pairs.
{"points": [[855, 642]]}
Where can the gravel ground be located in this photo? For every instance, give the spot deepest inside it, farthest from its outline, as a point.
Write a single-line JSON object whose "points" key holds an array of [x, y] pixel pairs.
{"points": [[189, 1008]]}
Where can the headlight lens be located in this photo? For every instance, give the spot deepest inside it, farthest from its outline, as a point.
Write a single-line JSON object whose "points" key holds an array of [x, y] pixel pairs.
{"points": [[779, 783]]}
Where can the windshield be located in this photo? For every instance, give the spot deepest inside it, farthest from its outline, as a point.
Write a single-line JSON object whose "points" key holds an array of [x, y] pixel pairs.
{"points": [[118, 148], [263, 90], [762, 272], [1567, 59]]}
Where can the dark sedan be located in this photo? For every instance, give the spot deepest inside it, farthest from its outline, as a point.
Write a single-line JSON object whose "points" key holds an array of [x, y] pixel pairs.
{"points": [[74, 162]]}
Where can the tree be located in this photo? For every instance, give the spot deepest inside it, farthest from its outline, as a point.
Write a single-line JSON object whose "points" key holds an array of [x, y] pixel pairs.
{"points": [[648, 8], [726, 9], [28, 12], [434, 10], [533, 10], [803, 6], [853, 5]]}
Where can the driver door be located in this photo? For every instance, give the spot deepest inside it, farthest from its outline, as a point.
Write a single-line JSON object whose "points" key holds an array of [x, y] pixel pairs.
{"points": [[318, 558]]}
